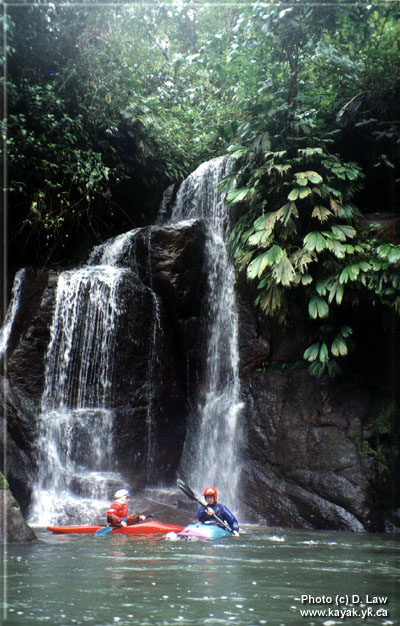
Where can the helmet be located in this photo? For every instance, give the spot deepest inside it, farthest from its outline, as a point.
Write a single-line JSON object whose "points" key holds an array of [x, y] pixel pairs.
{"points": [[210, 491], [122, 493]]}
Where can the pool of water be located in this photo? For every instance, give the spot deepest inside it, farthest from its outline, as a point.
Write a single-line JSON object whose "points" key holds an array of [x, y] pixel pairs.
{"points": [[266, 576]]}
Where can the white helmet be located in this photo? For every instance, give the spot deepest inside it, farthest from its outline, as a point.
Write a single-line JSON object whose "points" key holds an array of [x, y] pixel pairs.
{"points": [[122, 493]]}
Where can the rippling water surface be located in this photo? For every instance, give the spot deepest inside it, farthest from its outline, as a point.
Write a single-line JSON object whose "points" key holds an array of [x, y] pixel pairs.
{"points": [[259, 578]]}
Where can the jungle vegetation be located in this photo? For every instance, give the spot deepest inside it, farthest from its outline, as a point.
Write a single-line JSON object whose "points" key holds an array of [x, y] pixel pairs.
{"points": [[109, 104]]}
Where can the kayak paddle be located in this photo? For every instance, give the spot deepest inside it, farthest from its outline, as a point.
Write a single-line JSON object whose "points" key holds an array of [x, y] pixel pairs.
{"points": [[106, 530], [190, 494]]}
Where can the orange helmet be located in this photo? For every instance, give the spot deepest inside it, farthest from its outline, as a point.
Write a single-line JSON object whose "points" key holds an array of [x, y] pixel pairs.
{"points": [[210, 491]]}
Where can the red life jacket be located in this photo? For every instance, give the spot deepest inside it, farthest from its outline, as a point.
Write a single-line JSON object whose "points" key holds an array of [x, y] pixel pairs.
{"points": [[118, 513]]}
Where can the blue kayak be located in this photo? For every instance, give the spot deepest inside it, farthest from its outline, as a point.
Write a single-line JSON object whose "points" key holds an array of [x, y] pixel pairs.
{"points": [[204, 531]]}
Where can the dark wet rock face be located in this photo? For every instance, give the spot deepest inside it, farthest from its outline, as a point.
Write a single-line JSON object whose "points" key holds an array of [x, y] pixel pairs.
{"points": [[302, 460], [13, 527], [303, 464], [159, 357]]}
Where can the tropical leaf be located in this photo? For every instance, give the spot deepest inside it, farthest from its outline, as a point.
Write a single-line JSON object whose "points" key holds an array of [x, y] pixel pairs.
{"points": [[275, 255], [323, 355], [260, 222], [318, 307], [321, 286], [283, 271], [343, 231], [266, 221], [351, 272], [336, 291], [237, 151], [287, 211], [390, 252], [312, 352], [243, 259], [271, 300], [317, 368], [321, 212], [338, 249], [304, 192], [257, 237], [257, 266], [311, 176], [339, 346], [306, 279], [237, 195], [308, 152], [302, 258], [314, 241], [335, 206], [315, 178], [281, 169], [294, 194]]}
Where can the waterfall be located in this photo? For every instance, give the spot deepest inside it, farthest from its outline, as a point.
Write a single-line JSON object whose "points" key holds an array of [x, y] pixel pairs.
{"points": [[211, 453], [94, 309], [6, 329], [75, 425]]}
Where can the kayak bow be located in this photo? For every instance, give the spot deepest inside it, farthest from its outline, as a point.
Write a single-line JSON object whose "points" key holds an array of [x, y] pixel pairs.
{"points": [[204, 531]]}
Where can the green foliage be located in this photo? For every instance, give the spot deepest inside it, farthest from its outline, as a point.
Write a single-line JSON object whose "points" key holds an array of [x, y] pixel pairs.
{"points": [[300, 240], [297, 233], [383, 442], [107, 106]]}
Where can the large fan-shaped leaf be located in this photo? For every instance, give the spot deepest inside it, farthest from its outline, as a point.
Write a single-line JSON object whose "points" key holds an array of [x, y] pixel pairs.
{"points": [[286, 212], [314, 241], [390, 252], [257, 266], [312, 352], [303, 193], [283, 272], [294, 194], [343, 231], [336, 247], [339, 346], [321, 213], [275, 254], [318, 307], [237, 195]]}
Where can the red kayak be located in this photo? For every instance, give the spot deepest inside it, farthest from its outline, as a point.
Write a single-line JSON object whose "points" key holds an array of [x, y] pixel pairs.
{"points": [[142, 528]]}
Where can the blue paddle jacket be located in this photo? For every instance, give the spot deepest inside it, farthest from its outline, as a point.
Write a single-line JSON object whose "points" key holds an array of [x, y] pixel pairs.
{"points": [[221, 511]]}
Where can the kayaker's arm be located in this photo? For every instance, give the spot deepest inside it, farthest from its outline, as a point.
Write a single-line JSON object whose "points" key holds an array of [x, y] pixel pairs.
{"points": [[230, 519]]}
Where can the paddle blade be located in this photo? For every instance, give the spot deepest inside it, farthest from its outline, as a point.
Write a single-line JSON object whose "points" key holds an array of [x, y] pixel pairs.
{"points": [[188, 491], [103, 531]]}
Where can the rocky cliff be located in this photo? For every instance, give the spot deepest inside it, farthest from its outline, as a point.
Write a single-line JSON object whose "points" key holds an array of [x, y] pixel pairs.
{"points": [[305, 462]]}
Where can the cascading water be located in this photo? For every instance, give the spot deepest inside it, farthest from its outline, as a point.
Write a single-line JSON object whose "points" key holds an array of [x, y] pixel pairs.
{"points": [[75, 443], [75, 438], [211, 453], [6, 329]]}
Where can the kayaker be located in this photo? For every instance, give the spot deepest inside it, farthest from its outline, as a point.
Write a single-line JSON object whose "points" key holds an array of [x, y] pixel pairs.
{"points": [[117, 514], [213, 507]]}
